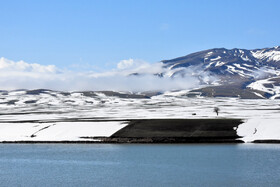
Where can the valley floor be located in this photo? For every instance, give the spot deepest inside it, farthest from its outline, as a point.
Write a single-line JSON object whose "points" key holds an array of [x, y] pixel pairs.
{"points": [[79, 118]]}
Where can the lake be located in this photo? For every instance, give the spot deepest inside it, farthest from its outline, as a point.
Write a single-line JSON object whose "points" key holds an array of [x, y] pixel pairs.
{"points": [[139, 164]]}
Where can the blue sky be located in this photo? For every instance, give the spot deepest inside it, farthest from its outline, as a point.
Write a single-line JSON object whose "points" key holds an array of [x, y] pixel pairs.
{"points": [[96, 35]]}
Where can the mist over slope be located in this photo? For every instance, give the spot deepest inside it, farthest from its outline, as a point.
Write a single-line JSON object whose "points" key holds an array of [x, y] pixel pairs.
{"points": [[23, 75]]}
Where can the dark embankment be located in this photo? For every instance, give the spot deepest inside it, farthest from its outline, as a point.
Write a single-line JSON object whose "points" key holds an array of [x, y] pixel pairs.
{"points": [[178, 131], [267, 141]]}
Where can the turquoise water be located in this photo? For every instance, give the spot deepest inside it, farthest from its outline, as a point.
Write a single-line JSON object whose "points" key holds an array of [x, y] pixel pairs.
{"points": [[139, 165]]}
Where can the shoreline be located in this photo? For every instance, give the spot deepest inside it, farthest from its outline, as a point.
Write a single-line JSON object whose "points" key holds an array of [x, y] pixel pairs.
{"points": [[143, 142], [121, 143]]}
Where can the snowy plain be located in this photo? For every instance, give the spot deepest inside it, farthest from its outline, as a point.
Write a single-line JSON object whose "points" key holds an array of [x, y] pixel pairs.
{"points": [[53, 116]]}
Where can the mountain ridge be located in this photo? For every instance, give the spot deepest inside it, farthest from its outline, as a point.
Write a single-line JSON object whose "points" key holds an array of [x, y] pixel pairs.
{"points": [[241, 70]]}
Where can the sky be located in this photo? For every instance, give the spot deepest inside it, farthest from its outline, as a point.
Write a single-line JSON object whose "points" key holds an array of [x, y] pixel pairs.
{"points": [[98, 34], [107, 35]]}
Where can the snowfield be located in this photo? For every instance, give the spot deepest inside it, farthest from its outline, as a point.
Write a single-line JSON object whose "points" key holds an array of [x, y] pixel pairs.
{"points": [[61, 131], [54, 116]]}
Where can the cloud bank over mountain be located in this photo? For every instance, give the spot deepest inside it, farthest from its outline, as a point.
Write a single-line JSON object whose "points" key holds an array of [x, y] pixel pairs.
{"points": [[23, 75]]}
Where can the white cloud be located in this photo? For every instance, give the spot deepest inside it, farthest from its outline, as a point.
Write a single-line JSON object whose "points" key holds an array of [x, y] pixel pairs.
{"points": [[131, 66], [22, 66], [124, 64], [23, 75]]}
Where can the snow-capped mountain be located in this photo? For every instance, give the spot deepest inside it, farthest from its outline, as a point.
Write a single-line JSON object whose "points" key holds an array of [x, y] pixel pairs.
{"points": [[221, 61], [238, 72]]}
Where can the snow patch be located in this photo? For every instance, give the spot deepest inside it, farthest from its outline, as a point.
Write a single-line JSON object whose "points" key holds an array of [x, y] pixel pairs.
{"points": [[259, 85], [61, 131], [259, 129], [208, 54], [215, 59], [259, 95], [219, 64], [267, 55]]}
